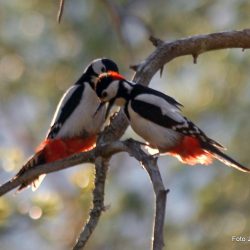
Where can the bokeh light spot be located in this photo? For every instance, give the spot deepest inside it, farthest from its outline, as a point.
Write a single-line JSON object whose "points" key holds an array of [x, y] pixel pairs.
{"points": [[11, 163], [82, 179], [235, 223], [11, 67], [68, 45], [32, 25], [35, 213]]}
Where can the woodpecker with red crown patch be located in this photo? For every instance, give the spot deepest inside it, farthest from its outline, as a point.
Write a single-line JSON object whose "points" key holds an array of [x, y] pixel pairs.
{"points": [[157, 118], [75, 124]]}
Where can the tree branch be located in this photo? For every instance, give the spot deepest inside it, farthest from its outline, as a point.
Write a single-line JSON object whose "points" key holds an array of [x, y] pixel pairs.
{"points": [[194, 46], [150, 164], [101, 167], [85, 157]]}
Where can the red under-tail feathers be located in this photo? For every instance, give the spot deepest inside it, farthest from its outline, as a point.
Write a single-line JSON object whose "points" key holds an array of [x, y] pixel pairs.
{"points": [[52, 150], [191, 151]]}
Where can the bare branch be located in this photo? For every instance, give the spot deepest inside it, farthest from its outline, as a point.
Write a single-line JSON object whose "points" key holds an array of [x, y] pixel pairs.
{"points": [[60, 11], [156, 41], [89, 156], [117, 127], [134, 67], [194, 45], [150, 164], [101, 166]]}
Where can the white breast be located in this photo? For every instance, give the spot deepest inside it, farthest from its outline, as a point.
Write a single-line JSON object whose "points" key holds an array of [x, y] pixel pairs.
{"points": [[83, 119], [157, 136]]}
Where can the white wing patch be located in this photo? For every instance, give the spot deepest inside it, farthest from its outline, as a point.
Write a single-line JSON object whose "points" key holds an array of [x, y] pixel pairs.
{"points": [[167, 109]]}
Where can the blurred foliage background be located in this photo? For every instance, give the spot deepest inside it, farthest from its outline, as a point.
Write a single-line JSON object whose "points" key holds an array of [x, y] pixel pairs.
{"points": [[40, 58]]}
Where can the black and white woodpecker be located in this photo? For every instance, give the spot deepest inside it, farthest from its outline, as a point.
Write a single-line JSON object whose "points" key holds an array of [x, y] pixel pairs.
{"points": [[74, 127], [157, 118]]}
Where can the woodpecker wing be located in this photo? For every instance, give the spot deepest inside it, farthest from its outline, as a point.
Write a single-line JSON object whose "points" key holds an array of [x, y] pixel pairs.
{"points": [[154, 114], [156, 107], [65, 108], [139, 89], [166, 113]]}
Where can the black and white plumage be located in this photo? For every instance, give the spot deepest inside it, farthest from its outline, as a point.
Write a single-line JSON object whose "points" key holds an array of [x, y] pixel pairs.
{"points": [[74, 114], [157, 118], [76, 123]]}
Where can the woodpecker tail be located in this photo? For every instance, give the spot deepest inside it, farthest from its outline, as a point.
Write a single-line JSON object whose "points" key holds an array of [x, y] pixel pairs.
{"points": [[227, 160], [192, 151], [52, 150], [35, 160]]}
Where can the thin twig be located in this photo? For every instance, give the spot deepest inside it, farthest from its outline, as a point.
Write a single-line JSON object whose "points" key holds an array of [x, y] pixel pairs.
{"points": [[60, 11]]}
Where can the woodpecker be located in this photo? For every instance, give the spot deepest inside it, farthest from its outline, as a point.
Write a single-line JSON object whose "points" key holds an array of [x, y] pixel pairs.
{"points": [[74, 126], [157, 118]]}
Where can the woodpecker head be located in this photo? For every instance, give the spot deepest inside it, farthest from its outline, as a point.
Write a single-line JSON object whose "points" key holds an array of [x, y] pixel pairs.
{"points": [[113, 88], [95, 68]]}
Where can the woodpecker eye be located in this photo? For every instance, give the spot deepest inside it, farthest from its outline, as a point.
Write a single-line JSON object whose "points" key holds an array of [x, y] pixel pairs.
{"points": [[104, 94], [103, 69]]}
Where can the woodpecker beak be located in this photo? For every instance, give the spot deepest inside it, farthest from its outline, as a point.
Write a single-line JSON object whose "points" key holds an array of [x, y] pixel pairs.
{"points": [[110, 105], [98, 108]]}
